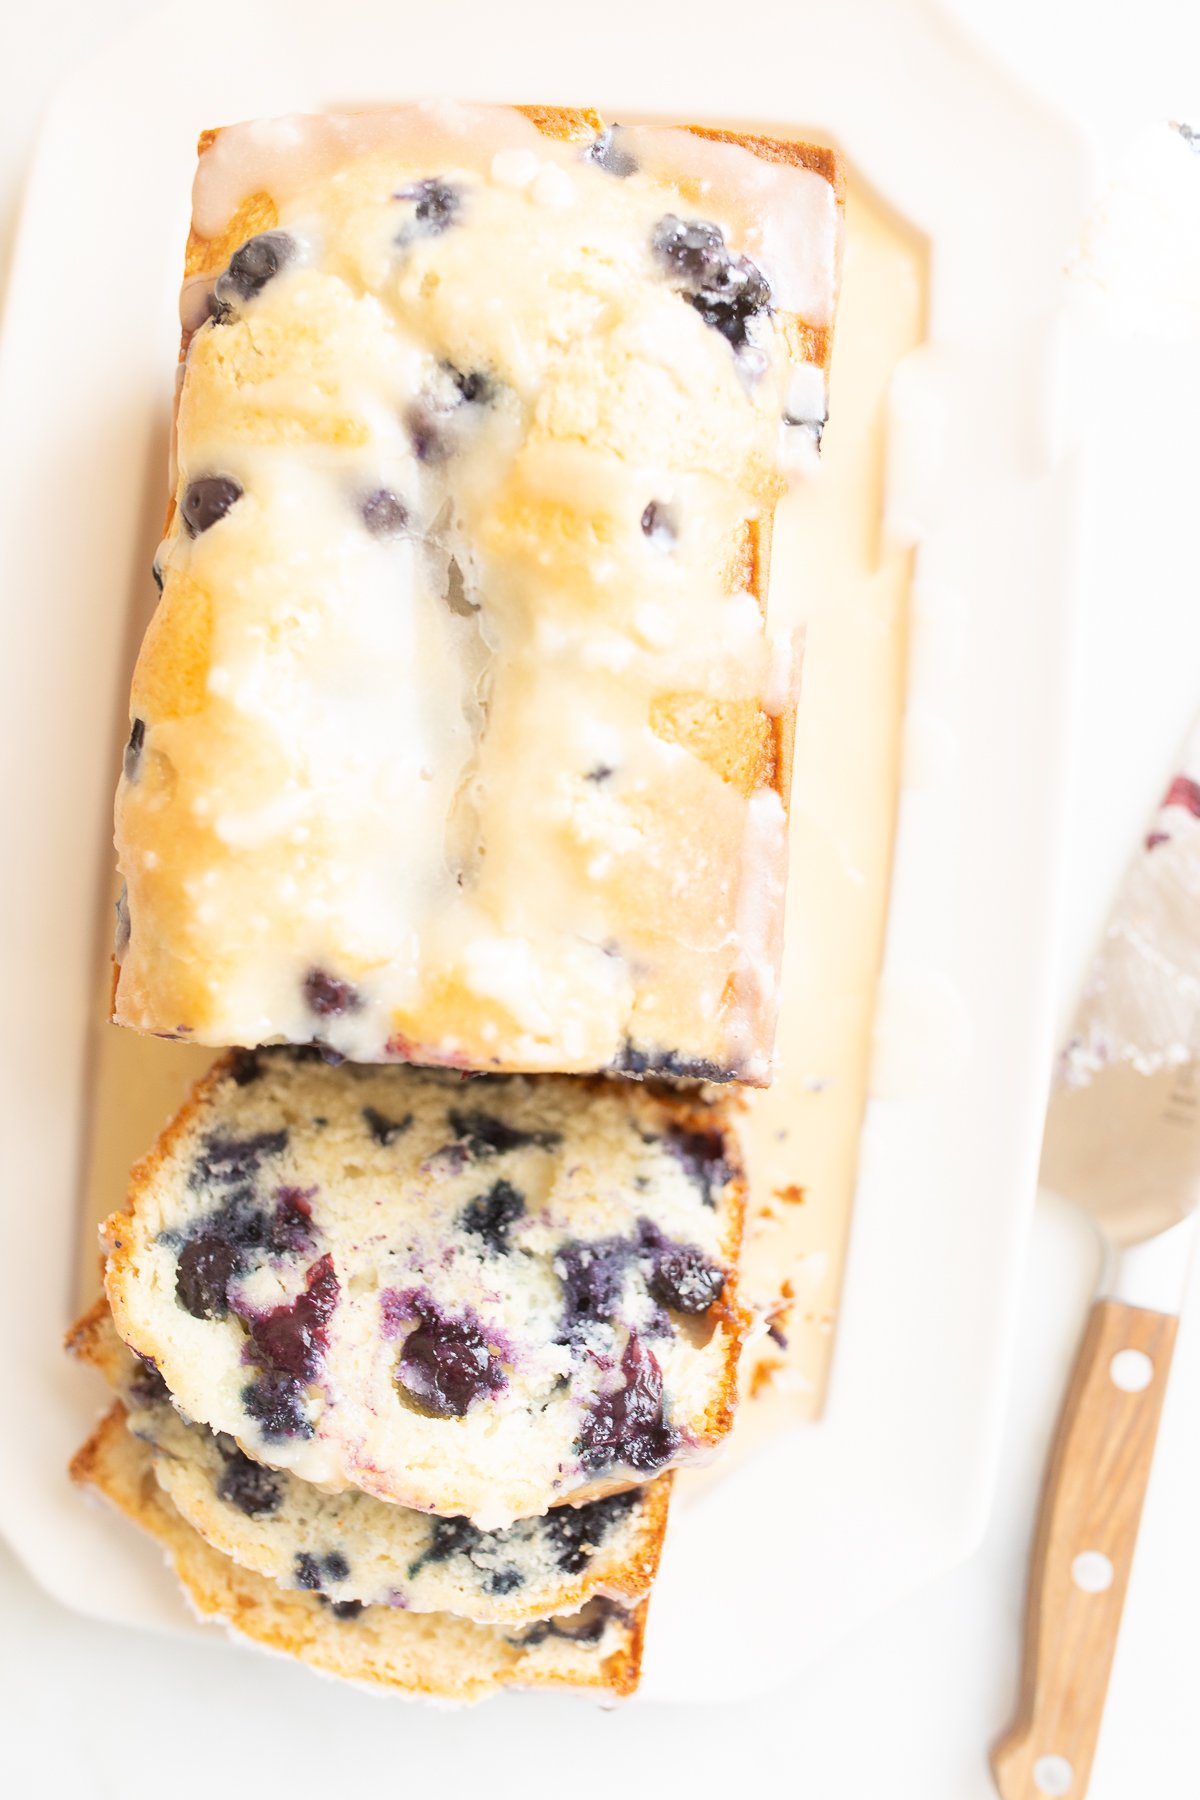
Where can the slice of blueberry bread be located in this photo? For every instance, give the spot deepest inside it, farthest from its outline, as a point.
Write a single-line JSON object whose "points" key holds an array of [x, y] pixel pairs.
{"points": [[476, 1298], [434, 1656], [459, 735], [357, 1550]]}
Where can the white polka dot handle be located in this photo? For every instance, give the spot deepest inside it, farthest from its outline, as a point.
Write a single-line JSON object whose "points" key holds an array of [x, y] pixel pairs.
{"points": [[1087, 1529]]}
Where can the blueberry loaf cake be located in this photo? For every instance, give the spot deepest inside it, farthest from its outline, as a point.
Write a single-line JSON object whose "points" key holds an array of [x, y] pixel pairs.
{"points": [[356, 1550], [458, 735], [435, 1655], [474, 1298]]}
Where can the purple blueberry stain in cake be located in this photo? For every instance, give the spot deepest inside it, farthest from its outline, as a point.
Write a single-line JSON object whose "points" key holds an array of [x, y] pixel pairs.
{"points": [[609, 151], [446, 1365], [291, 1339], [627, 1427], [438, 205], [384, 514], [251, 267], [276, 1402], [206, 501], [234, 1161], [659, 524], [329, 997], [131, 759], [291, 1230], [727, 290], [253, 1490], [485, 1135], [489, 1216], [702, 1154], [575, 1533], [385, 1131]]}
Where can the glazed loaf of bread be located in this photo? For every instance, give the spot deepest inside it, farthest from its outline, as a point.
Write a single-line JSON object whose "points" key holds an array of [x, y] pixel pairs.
{"points": [[478, 1298], [436, 1656], [458, 735], [358, 1551]]}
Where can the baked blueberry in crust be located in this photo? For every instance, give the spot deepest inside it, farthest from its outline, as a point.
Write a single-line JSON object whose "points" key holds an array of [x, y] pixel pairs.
{"points": [[206, 501], [727, 290], [258, 261]]}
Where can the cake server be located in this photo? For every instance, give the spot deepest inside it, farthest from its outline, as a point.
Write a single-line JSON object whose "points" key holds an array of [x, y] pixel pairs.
{"points": [[1123, 1142]]}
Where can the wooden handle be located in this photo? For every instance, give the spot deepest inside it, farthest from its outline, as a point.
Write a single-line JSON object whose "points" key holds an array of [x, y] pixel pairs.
{"points": [[1087, 1529]]}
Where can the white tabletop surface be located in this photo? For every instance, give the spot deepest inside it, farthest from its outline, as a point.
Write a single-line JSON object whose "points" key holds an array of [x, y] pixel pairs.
{"points": [[907, 1707]]}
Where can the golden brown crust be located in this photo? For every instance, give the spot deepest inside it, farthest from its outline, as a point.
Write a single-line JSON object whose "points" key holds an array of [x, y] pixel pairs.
{"points": [[429, 1655]]}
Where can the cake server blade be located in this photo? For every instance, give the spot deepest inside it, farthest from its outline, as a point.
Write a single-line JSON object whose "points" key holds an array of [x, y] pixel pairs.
{"points": [[1123, 1142]]}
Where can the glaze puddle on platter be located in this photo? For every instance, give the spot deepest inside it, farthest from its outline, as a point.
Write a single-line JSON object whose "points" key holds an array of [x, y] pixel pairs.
{"points": [[830, 569]]}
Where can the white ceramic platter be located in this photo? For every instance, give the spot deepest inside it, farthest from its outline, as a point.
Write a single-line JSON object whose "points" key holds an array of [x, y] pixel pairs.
{"points": [[829, 1523]]}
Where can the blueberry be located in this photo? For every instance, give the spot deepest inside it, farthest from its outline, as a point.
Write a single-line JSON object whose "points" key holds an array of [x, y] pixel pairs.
{"points": [[702, 1154], [258, 261], [633, 1061], [473, 385], [629, 1426], [503, 1580], [132, 758], [146, 1386], [437, 207], [486, 1135], [449, 1537], [327, 996], [574, 1532], [384, 514], [308, 1571], [600, 774], [425, 424], [658, 523], [592, 1272], [254, 1490], [206, 1267], [726, 290], [229, 1162], [607, 150], [488, 1216], [291, 1228], [336, 1567], [345, 1609], [245, 1066], [124, 928], [447, 1365], [157, 574], [276, 1402], [385, 1131], [683, 1279], [206, 501], [291, 1338], [584, 1627]]}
